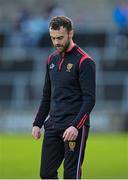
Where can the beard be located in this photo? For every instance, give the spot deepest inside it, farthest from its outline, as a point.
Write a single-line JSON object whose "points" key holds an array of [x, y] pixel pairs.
{"points": [[63, 48]]}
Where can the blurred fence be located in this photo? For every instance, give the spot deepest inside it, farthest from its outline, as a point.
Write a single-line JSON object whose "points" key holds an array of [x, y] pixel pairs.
{"points": [[22, 73]]}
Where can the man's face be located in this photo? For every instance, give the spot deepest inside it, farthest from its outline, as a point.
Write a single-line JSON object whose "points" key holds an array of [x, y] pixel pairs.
{"points": [[60, 38]]}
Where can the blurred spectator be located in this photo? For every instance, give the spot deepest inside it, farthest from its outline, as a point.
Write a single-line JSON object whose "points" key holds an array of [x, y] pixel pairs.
{"points": [[33, 28], [22, 16], [121, 19], [27, 29], [36, 27], [51, 11], [54, 10], [16, 38]]}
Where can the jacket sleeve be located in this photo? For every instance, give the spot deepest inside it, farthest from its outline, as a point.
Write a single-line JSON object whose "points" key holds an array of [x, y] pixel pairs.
{"points": [[87, 85], [45, 102]]}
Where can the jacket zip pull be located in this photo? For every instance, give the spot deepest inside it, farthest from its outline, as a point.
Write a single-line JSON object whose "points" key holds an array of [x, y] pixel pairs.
{"points": [[61, 62]]}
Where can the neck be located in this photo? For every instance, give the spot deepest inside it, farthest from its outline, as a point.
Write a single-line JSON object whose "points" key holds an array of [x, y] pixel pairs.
{"points": [[72, 44]]}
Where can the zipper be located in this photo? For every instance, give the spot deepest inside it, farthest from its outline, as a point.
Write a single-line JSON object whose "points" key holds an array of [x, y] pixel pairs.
{"points": [[61, 61]]}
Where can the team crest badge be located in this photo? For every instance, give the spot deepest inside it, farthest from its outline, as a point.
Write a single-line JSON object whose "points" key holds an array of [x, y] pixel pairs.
{"points": [[72, 145], [69, 67]]}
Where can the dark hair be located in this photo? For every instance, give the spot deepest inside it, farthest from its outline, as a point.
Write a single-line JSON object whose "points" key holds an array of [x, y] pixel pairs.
{"points": [[58, 21]]}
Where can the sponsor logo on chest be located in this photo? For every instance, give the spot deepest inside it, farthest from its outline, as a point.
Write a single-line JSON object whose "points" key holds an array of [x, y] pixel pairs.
{"points": [[51, 66]]}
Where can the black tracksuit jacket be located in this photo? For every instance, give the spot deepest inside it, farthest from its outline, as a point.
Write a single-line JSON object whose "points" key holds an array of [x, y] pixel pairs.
{"points": [[69, 90]]}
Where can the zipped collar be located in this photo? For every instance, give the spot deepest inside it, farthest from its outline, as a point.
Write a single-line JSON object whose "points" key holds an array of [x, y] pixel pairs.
{"points": [[61, 61], [68, 50], [63, 55], [71, 48]]}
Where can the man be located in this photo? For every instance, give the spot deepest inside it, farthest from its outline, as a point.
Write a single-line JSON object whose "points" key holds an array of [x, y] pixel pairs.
{"points": [[68, 98]]}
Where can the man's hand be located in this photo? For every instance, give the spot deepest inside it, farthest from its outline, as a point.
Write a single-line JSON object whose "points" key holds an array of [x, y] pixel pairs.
{"points": [[70, 134], [36, 132]]}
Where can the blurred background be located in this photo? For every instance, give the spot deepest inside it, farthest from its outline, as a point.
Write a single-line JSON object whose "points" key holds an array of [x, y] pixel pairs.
{"points": [[101, 29]]}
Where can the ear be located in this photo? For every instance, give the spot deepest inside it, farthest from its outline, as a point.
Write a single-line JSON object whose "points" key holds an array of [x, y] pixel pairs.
{"points": [[71, 34]]}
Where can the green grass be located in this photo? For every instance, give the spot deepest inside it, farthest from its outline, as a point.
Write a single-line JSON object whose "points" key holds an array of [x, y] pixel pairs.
{"points": [[106, 157]]}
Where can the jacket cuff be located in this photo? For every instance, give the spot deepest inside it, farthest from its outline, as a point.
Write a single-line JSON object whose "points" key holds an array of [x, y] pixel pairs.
{"points": [[36, 124], [79, 123]]}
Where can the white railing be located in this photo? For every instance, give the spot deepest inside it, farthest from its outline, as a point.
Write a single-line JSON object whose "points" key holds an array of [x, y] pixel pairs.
{"points": [[20, 80]]}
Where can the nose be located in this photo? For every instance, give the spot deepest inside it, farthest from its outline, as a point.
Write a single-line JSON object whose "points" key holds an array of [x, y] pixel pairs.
{"points": [[56, 41]]}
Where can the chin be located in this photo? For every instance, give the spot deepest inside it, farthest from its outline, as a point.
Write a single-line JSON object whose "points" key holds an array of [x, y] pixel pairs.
{"points": [[60, 50]]}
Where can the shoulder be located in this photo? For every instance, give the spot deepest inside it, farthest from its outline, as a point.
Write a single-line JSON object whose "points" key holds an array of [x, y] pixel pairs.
{"points": [[51, 56], [84, 57]]}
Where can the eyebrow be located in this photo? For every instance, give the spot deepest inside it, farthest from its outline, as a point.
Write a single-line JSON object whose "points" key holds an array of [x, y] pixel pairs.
{"points": [[57, 37]]}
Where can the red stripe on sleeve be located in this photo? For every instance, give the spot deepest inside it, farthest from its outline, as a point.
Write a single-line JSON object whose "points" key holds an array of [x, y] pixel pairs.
{"points": [[82, 121], [84, 57], [49, 59]]}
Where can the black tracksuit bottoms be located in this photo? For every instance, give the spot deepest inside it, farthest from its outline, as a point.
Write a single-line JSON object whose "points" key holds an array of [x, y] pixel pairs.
{"points": [[55, 150]]}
